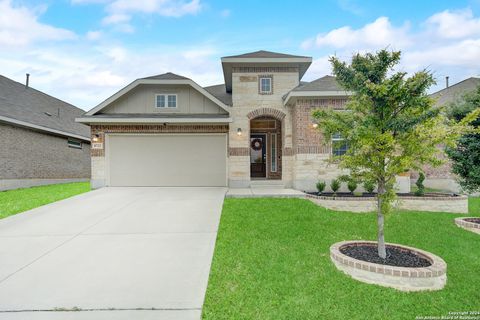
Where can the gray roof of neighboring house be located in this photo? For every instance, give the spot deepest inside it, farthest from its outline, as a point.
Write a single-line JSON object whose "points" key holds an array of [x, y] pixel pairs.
{"points": [[167, 76], [453, 92], [220, 92], [265, 54], [34, 107], [326, 83]]}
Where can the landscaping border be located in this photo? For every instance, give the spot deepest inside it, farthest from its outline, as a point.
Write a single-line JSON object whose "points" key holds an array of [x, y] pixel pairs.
{"points": [[433, 277], [470, 226], [444, 203]]}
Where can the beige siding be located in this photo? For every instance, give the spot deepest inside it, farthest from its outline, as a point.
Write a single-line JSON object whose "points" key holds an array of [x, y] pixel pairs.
{"points": [[142, 100]]}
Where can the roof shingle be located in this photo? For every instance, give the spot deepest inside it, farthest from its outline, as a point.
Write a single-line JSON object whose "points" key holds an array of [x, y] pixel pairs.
{"points": [[32, 106], [167, 76], [326, 83]]}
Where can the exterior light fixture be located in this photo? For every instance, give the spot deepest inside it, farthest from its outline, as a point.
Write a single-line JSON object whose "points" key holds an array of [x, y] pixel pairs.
{"points": [[239, 131], [96, 137], [315, 125]]}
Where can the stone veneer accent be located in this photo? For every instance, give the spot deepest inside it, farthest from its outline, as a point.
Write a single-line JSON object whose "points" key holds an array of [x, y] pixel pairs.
{"points": [[458, 204], [470, 226], [433, 277]]}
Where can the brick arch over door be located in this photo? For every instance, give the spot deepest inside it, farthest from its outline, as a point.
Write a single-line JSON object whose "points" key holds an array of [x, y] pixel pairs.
{"points": [[264, 112]]}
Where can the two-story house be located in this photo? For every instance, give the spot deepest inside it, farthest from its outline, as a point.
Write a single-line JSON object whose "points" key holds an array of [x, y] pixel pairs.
{"points": [[166, 130]]}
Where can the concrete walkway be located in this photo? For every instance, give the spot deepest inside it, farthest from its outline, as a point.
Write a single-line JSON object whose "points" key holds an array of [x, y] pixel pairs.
{"points": [[114, 253]]}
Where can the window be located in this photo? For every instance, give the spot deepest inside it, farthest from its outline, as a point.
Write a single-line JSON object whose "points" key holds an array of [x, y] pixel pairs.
{"points": [[74, 143], [273, 152], [265, 85], [172, 101], [263, 124], [166, 100], [339, 146]]}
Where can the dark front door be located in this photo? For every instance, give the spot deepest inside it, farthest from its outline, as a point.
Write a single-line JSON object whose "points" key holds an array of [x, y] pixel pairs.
{"points": [[258, 156]]}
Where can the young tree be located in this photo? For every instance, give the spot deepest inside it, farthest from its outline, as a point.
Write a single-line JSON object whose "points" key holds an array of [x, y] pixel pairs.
{"points": [[390, 124], [466, 155]]}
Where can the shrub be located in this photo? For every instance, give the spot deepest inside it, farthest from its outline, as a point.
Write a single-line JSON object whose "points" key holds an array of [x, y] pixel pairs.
{"points": [[352, 185], [369, 186], [420, 187], [321, 186], [335, 185]]}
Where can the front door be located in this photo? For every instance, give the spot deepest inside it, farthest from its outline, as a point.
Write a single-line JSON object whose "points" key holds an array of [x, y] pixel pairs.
{"points": [[258, 156]]}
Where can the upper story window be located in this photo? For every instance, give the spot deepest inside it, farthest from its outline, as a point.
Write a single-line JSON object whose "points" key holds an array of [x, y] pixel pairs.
{"points": [[339, 146], [265, 84], [166, 101]]}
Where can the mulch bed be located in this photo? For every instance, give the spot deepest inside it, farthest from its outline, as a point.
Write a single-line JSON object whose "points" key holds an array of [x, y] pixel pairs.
{"points": [[370, 195], [473, 220], [396, 257]]}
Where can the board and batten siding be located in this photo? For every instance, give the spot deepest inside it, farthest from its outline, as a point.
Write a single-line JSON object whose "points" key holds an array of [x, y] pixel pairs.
{"points": [[142, 100]]}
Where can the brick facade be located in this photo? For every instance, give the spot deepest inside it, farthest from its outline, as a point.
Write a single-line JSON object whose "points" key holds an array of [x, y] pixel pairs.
{"points": [[308, 139], [35, 155]]}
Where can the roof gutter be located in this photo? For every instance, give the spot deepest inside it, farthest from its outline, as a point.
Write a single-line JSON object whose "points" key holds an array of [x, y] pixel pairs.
{"points": [[42, 128]]}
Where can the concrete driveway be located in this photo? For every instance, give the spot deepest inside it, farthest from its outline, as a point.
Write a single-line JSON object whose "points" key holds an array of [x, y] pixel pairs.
{"points": [[114, 253]]}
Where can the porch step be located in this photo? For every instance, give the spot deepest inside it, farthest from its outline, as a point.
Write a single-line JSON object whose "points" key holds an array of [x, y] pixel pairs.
{"points": [[267, 184]]}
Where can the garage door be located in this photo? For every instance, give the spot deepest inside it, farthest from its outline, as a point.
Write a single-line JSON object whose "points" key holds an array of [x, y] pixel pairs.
{"points": [[167, 160]]}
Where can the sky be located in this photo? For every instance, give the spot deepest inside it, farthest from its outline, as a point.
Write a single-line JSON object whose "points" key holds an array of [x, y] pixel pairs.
{"points": [[83, 51]]}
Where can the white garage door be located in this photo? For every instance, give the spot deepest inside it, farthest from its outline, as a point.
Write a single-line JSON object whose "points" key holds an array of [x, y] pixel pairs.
{"points": [[167, 160]]}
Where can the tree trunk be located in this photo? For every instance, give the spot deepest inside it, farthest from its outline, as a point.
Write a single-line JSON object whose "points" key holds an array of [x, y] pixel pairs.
{"points": [[380, 222]]}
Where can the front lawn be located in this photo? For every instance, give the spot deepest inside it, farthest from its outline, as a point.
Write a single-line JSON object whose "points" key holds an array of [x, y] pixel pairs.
{"points": [[19, 200], [272, 262]]}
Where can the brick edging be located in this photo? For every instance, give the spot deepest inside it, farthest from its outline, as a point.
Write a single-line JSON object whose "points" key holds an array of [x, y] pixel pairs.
{"points": [[438, 267], [454, 198], [466, 224]]}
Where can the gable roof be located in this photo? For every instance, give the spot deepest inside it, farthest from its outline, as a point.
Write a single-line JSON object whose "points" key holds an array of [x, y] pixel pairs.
{"points": [[28, 107], [166, 78], [265, 54], [455, 91]]}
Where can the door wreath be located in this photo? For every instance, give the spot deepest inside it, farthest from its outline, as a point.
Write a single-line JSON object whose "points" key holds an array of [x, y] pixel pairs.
{"points": [[256, 144]]}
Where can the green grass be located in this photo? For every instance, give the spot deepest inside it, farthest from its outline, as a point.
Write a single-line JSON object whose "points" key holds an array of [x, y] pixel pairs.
{"points": [[272, 262], [19, 200]]}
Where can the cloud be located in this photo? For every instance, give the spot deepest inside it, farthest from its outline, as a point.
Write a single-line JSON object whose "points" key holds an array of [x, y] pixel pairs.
{"points": [[454, 24], [446, 43], [120, 12], [19, 26], [225, 13], [166, 8], [350, 6], [379, 33], [86, 72], [116, 18], [94, 35]]}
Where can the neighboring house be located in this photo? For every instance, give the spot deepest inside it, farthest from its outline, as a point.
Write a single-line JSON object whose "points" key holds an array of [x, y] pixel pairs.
{"points": [[41, 142], [456, 91], [256, 128], [442, 177]]}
